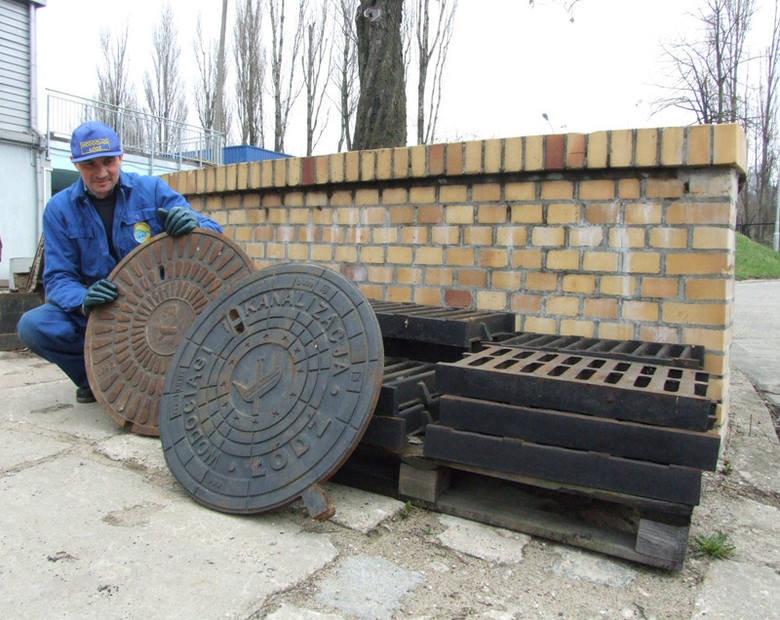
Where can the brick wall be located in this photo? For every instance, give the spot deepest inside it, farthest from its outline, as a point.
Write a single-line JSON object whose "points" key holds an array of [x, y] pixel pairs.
{"points": [[616, 234]]}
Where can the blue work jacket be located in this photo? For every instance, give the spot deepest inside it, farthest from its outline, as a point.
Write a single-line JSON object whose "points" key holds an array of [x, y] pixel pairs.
{"points": [[75, 245]]}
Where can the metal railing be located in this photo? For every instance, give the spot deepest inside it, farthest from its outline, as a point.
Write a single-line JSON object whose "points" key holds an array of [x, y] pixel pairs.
{"points": [[141, 133]]}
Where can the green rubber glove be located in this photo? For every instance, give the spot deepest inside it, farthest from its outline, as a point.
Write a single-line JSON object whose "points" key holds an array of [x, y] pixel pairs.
{"points": [[178, 221], [101, 292]]}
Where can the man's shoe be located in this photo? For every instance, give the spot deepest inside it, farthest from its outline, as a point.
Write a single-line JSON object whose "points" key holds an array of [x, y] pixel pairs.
{"points": [[84, 395]]}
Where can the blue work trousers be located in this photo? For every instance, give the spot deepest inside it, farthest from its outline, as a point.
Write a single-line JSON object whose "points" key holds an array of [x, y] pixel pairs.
{"points": [[57, 336]]}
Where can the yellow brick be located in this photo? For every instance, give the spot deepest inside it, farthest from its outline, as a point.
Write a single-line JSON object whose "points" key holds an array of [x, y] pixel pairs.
{"points": [[457, 257], [399, 294], [642, 262], [621, 145], [381, 274], [394, 196], [367, 165], [422, 195], [713, 183], [527, 259], [646, 147], [430, 214], [280, 172], [316, 199], [643, 213], [577, 327], [323, 216], [545, 236], [272, 200], [371, 291], [601, 308], [493, 258], [237, 217], [304, 233], [627, 237], [341, 198], [400, 162], [427, 296], [366, 197], [568, 306], [321, 169], [672, 139], [629, 189], [492, 214], [409, 275], [384, 163], [664, 188], [473, 161], [454, 154], [600, 261], [372, 254], [348, 216], [358, 235], [525, 303], [715, 289], [527, 214], [294, 171], [509, 280], [293, 199], [337, 161], [297, 251], [492, 155], [563, 213], [577, 283], [695, 314], [597, 189], [213, 203], [660, 287], [687, 263], [699, 213], [486, 192], [242, 176], [563, 259], [539, 325], [705, 238], [472, 277], [511, 235], [668, 237], [414, 234], [557, 190], [710, 339], [332, 234], [597, 150], [429, 256], [699, 150], [346, 254], [275, 250], [459, 214], [513, 155], [616, 331], [730, 146], [439, 277], [640, 310], [491, 300], [232, 201], [589, 236], [399, 254], [520, 191], [374, 215], [352, 168], [385, 235], [452, 193], [602, 213], [623, 286], [445, 235], [478, 235], [534, 153], [401, 215], [540, 281], [242, 233]]}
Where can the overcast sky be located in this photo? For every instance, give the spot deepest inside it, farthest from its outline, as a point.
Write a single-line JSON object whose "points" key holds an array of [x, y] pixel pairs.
{"points": [[508, 64]]}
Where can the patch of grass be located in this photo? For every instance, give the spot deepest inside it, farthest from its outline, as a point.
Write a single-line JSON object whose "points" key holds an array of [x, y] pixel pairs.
{"points": [[715, 546], [754, 260]]}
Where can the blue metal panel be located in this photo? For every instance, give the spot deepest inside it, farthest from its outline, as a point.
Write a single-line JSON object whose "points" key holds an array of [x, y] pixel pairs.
{"points": [[245, 152]]}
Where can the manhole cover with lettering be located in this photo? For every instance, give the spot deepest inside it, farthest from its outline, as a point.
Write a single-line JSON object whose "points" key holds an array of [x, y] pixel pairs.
{"points": [[271, 389], [163, 285]]}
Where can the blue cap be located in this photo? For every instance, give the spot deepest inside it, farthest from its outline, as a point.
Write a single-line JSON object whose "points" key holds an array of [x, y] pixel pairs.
{"points": [[94, 139]]}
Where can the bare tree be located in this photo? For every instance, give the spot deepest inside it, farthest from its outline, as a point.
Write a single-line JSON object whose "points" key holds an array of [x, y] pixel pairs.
{"points": [[205, 91], [114, 88], [344, 69], [163, 88], [250, 72], [316, 56], [432, 48], [283, 63], [381, 114], [709, 71]]}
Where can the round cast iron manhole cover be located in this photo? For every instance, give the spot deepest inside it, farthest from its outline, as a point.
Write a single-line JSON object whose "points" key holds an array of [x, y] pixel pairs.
{"points": [[271, 389], [163, 285]]}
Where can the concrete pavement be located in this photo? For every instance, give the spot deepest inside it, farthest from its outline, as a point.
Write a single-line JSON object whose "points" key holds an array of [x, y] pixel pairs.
{"points": [[94, 526]]}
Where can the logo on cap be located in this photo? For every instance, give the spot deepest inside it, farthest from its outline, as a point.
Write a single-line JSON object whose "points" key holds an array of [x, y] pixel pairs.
{"points": [[95, 146]]}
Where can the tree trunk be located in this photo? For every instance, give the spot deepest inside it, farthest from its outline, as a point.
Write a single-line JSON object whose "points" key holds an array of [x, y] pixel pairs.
{"points": [[381, 114]]}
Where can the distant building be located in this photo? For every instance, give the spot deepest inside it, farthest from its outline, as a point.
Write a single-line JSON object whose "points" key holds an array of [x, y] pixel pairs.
{"points": [[22, 179]]}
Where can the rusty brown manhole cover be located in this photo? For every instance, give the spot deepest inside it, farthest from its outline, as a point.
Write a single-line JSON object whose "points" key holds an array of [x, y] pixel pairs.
{"points": [[163, 285], [271, 389]]}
